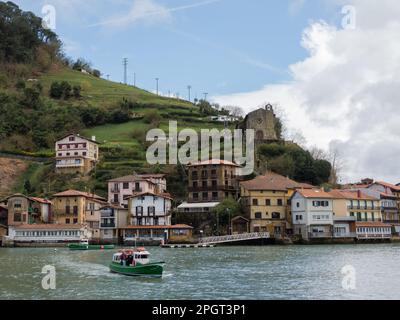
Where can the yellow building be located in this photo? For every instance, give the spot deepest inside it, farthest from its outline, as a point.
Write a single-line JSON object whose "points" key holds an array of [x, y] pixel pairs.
{"points": [[267, 202], [77, 207]]}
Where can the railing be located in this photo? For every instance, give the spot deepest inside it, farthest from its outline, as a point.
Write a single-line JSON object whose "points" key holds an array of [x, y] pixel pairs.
{"points": [[345, 235], [115, 190], [236, 237], [137, 190], [107, 225], [320, 235], [374, 236]]}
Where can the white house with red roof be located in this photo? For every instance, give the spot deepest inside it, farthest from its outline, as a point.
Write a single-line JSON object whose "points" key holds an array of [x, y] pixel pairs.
{"points": [[150, 209], [312, 213]]}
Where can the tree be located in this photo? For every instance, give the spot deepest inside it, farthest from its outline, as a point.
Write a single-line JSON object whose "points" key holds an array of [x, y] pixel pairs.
{"points": [[337, 166], [27, 187], [56, 90], [223, 214], [235, 111], [96, 73], [66, 89], [77, 91]]}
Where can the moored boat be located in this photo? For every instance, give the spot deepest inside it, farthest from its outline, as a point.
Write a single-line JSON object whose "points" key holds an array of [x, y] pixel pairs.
{"points": [[84, 245], [135, 262]]}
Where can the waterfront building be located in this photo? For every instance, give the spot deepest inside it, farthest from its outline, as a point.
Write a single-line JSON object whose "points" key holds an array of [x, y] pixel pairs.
{"points": [[45, 234], [176, 233], [240, 225], [389, 195], [312, 214], [210, 182], [76, 154], [75, 207], [22, 210], [266, 200], [120, 189], [113, 219], [150, 209], [357, 214], [3, 215]]}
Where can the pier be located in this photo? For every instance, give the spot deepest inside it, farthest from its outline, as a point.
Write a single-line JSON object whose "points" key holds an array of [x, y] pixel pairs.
{"points": [[208, 242]]}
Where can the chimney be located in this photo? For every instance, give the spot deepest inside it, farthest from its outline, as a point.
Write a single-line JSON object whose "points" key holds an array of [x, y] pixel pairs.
{"points": [[94, 138]]}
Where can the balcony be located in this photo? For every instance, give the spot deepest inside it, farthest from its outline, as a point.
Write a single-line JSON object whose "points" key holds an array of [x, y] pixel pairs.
{"points": [[107, 225], [366, 236], [137, 190], [345, 235], [320, 235], [115, 190]]}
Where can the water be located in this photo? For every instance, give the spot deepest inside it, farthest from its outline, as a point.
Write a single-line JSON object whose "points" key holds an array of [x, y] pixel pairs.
{"points": [[269, 272]]}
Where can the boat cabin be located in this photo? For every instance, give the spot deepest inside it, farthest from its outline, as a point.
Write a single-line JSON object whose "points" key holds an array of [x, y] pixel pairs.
{"points": [[132, 257]]}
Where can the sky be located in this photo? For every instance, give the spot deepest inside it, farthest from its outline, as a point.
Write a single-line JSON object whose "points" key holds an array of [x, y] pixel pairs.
{"points": [[331, 67]]}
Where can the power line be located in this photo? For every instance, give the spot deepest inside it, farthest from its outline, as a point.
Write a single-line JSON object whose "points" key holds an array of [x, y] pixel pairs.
{"points": [[125, 63]]}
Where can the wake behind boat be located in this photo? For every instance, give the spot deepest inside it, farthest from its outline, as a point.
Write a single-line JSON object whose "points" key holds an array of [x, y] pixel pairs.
{"points": [[84, 245], [135, 262]]}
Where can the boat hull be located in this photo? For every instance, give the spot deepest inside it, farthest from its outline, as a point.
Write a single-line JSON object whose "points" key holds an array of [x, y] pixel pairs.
{"points": [[149, 270], [77, 246]]}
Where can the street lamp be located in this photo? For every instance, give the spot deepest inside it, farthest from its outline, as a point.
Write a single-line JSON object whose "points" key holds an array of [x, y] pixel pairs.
{"points": [[201, 236]]}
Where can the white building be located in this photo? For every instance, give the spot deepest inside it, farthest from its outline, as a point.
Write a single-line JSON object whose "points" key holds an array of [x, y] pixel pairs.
{"points": [[120, 189], [47, 233], [312, 214], [76, 154], [150, 209]]}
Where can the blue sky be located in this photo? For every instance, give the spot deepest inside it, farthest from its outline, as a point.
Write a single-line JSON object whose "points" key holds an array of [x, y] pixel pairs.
{"points": [[219, 47]]}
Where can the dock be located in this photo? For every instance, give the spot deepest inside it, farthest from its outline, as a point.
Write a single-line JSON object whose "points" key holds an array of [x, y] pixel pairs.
{"points": [[210, 242]]}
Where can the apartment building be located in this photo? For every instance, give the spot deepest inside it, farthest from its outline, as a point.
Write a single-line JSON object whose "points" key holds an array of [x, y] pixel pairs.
{"points": [[76, 154]]}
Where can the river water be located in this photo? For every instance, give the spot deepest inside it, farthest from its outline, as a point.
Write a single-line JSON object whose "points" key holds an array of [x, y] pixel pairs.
{"points": [[268, 272]]}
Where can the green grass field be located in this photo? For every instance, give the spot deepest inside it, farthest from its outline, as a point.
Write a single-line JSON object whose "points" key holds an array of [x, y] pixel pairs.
{"points": [[100, 91]]}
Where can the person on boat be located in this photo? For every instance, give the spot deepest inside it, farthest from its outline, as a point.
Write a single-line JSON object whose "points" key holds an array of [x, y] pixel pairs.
{"points": [[123, 258]]}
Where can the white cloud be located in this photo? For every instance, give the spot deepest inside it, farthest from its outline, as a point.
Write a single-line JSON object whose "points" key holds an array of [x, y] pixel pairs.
{"points": [[345, 94]]}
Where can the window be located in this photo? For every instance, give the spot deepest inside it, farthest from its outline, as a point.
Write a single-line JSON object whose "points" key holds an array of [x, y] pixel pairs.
{"points": [[17, 217], [268, 202], [276, 215], [84, 154], [204, 184], [255, 202], [205, 195], [258, 215], [280, 202], [299, 217], [298, 204], [373, 216], [125, 185], [67, 209], [76, 153], [195, 195], [151, 210], [359, 216], [195, 184], [214, 183], [215, 195], [71, 138], [139, 210], [67, 221], [78, 161], [75, 210], [116, 198], [194, 175], [75, 221]]}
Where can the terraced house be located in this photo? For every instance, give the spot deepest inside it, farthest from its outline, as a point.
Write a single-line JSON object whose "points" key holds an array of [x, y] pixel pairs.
{"points": [[77, 207], [389, 196], [266, 200], [119, 189], [76, 154]]}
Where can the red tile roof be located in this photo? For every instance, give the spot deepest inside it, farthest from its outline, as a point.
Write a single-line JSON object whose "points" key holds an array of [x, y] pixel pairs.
{"points": [[272, 181], [161, 195], [76, 193], [131, 178], [40, 200], [389, 185], [315, 193], [345, 194], [372, 224]]}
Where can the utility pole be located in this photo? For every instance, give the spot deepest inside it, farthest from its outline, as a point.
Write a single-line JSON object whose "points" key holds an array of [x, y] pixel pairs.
{"points": [[157, 80], [205, 96], [189, 89], [125, 63]]}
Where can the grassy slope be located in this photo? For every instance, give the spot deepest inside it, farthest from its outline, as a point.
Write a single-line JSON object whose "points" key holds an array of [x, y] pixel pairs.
{"points": [[129, 154], [103, 92]]}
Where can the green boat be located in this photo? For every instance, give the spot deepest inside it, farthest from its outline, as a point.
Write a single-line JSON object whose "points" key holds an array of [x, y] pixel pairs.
{"points": [[135, 262], [84, 245]]}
